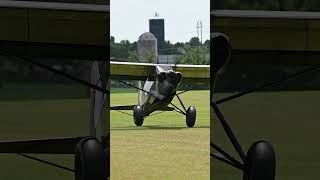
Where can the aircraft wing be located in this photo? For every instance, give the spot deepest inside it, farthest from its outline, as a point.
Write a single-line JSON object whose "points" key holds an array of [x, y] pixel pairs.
{"points": [[41, 146], [40, 29], [270, 36], [141, 71]]}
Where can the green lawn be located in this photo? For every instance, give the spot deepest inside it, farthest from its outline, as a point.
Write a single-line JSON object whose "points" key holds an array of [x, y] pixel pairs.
{"points": [[40, 119], [123, 90], [163, 148], [17, 91], [290, 120]]}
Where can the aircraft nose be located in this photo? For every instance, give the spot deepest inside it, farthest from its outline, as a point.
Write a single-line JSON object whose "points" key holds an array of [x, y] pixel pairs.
{"points": [[162, 76], [166, 88]]}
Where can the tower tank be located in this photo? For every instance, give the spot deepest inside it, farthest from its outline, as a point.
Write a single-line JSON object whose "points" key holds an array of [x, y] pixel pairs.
{"points": [[147, 48]]}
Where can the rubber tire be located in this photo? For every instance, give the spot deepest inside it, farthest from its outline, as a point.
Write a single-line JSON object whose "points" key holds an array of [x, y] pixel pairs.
{"points": [[260, 162], [90, 160], [138, 115], [191, 116]]}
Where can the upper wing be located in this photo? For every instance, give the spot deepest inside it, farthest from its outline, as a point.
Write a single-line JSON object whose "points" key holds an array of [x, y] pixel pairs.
{"points": [[129, 70], [141, 71], [54, 30], [270, 32]]}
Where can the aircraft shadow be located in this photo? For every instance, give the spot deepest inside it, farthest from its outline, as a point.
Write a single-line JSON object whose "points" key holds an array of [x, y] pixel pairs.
{"points": [[155, 128]]}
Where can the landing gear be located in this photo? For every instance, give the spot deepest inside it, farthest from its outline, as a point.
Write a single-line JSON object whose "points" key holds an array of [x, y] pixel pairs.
{"points": [[138, 115], [90, 160], [260, 162], [191, 116]]}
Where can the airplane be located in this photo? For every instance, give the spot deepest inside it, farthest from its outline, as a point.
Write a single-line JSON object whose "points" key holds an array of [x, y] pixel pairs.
{"points": [[259, 163], [159, 88], [59, 37]]}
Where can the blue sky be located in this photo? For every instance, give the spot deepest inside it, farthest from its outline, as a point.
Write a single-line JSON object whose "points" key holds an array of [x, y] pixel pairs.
{"points": [[130, 18]]}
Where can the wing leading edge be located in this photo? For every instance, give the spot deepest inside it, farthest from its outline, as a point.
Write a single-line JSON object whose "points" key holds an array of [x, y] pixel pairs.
{"points": [[141, 71]]}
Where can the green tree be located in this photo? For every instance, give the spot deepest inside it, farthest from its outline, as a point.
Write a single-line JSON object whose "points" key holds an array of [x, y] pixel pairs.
{"points": [[112, 40], [151, 58], [133, 56], [195, 55], [207, 43], [194, 42]]}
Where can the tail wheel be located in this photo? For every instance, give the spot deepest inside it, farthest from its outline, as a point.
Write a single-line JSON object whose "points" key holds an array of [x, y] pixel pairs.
{"points": [[138, 115], [260, 162], [90, 160], [191, 116]]}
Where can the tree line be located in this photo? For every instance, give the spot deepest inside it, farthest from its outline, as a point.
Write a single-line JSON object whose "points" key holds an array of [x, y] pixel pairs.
{"points": [[191, 52]]}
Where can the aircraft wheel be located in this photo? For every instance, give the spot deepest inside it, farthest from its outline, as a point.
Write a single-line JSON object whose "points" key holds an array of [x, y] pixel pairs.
{"points": [[191, 116], [138, 115], [260, 162], [90, 160]]}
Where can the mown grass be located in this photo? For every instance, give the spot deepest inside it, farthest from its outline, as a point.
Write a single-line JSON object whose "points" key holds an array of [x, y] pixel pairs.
{"points": [[163, 148], [289, 120]]}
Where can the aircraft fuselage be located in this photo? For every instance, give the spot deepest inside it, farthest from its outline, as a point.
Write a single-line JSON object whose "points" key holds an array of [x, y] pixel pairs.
{"points": [[162, 89]]}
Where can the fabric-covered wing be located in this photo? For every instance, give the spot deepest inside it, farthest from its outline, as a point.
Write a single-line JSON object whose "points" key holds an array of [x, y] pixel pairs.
{"points": [[41, 146], [141, 71], [54, 30], [129, 70], [196, 72], [270, 36]]}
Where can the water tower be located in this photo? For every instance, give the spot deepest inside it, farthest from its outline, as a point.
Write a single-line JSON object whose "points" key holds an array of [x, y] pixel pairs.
{"points": [[147, 48]]}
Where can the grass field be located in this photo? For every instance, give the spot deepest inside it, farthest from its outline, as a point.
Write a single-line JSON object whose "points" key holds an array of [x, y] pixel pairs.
{"points": [[40, 119], [290, 120], [163, 148], [17, 91]]}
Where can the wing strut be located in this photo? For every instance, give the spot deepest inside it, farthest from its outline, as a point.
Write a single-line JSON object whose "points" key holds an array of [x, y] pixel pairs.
{"points": [[128, 84], [46, 162], [270, 84], [61, 73], [227, 157], [228, 131]]}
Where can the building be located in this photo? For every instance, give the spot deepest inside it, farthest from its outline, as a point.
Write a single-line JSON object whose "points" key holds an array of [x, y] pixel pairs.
{"points": [[147, 48], [156, 27]]}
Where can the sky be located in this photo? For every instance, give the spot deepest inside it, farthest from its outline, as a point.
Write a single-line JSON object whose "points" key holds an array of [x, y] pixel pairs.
{"points": [[130, 18]]}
